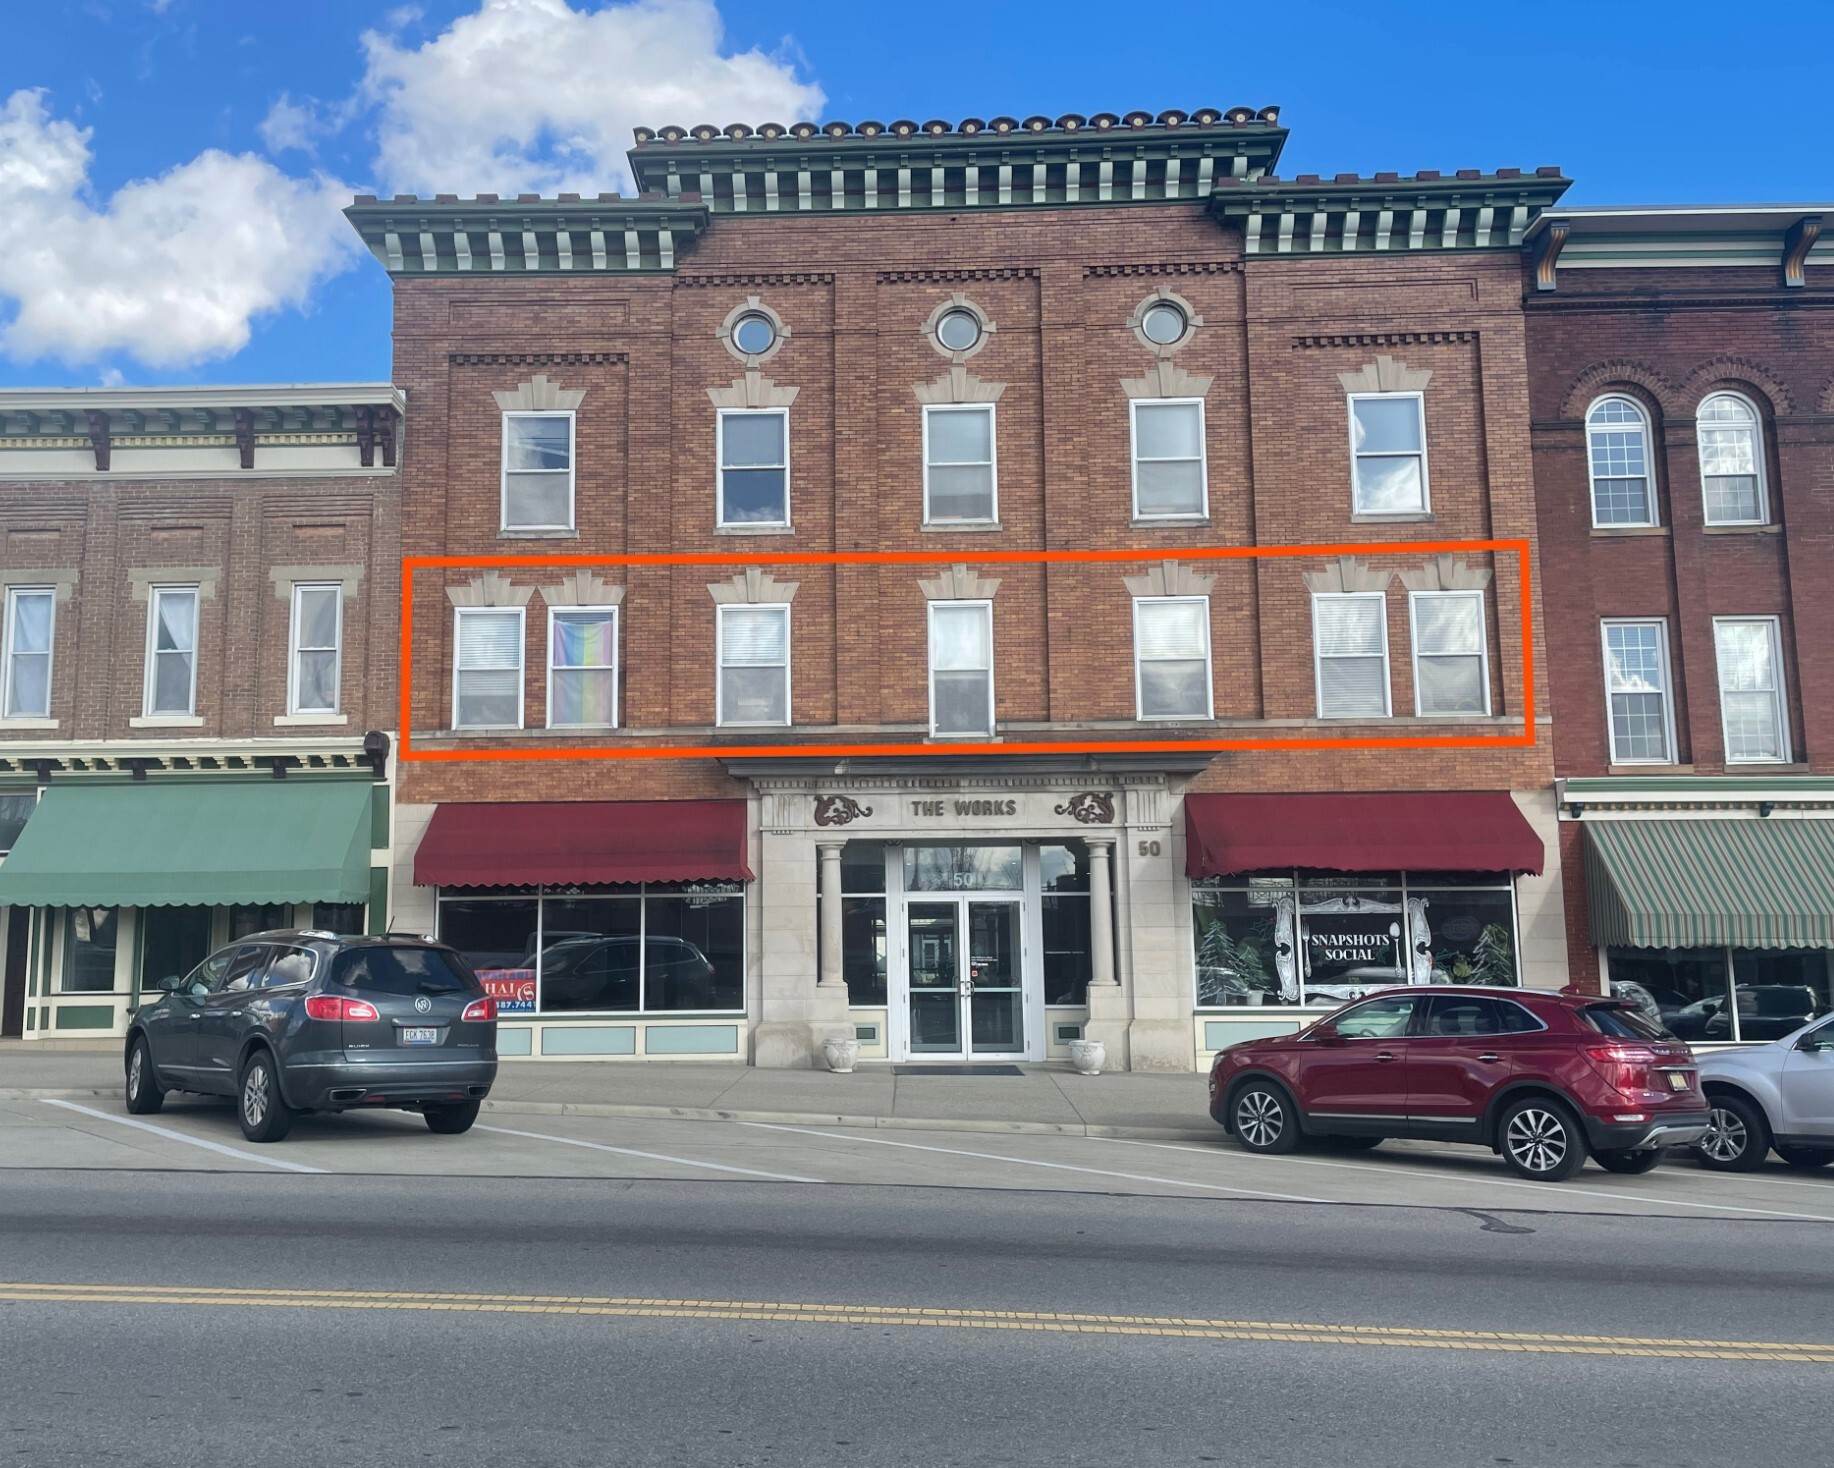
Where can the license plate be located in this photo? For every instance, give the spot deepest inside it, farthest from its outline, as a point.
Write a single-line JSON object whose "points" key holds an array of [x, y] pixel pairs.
{"points": [[420, 1035], [1677, 1080]]}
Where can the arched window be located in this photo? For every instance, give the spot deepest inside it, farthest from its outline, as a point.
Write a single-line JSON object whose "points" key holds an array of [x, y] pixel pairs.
{"points": [[1731, 461], [1617, 457]]}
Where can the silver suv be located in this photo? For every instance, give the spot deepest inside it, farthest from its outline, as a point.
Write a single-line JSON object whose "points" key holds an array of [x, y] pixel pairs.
{"points": [[1777, 1096]]}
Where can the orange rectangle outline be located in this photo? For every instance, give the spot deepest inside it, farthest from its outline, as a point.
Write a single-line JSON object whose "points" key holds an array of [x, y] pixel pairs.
{"points": [[979, 749]]}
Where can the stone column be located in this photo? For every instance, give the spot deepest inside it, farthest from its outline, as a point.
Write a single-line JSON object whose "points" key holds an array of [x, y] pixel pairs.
{"points": [[830, 945], [1108, 1001], [1101, 913]]}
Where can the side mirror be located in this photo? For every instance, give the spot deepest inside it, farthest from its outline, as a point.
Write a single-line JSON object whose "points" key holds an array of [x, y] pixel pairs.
{"points": [[1814, 1040], [1326, 1033], [170, 984]]}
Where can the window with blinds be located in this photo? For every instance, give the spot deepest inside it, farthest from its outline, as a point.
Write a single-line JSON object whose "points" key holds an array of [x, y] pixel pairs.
{"points": [[754, 661], [1169, 468], [959, 479], [961, 667], [1350, 647], [487, 670], [754, 452], [1172, 657], [1451, 664], [583, 668]]}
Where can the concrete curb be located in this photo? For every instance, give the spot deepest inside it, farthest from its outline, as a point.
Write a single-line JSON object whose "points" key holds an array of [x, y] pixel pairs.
{"points": [[781, 1118]]}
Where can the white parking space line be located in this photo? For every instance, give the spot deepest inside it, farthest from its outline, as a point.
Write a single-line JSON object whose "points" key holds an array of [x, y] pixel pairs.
{"points": [[1133, 1177], [167, 1132], [1565, 1189], [781, 1177]]}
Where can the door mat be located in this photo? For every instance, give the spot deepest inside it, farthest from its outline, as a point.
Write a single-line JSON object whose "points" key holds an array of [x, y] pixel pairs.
{"points": [[957, 1070]]}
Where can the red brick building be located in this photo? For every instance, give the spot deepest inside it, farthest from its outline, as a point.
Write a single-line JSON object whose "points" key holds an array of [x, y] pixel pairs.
{"points": [[197, 672], [1682, 368], [1162, 800]]}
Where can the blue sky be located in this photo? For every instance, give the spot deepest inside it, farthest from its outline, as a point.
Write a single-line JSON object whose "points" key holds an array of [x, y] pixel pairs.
{"points": [[237, 127]]}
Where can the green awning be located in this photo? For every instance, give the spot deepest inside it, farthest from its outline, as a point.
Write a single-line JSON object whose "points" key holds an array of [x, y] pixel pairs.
{"points": [[175, 843], [1751, 883]]}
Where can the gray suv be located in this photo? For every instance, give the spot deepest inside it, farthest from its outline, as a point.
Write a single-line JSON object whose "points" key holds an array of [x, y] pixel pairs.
{"points": [[1777, 1096], [296, 1021]]}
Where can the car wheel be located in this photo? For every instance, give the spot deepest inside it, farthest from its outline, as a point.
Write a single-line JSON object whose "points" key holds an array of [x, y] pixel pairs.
{"points": [[1630, 1160], [1737, 1136], [449, 1121], [1541, 1140], [1804, 1156], [143, 1094], [1349, 1144], [1264, 1118], [265, 1117]]}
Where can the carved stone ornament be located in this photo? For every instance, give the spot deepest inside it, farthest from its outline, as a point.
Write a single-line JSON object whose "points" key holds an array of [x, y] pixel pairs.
{"points": [[538, 395], [1092, 808], [1347, 574], [839, 810], [492, 589], [1385, 374]]}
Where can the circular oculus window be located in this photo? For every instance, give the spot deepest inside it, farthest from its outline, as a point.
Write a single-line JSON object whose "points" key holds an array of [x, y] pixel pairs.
{"points": [[1163, 324], [958, 330], [754, 335]]}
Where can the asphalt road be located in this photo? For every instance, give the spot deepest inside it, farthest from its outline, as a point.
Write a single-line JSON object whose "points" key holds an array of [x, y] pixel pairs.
{"points": [[596, 1320]]}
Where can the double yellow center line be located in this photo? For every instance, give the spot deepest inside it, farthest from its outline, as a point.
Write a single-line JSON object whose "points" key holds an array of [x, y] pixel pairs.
{"points": [[779, 1312]]}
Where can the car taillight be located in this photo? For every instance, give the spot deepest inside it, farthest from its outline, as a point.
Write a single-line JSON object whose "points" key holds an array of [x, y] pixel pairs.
{"points": [[480, 1011], [1624, 1067], [335, 1006]]}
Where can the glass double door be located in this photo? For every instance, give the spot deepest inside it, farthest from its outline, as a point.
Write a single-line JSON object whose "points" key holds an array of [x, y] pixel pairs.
{"points": [[967, 987]]}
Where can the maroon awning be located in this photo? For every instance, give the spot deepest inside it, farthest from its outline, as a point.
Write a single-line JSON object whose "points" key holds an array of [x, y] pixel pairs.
{"points": [[564, 843], [1470, 831]]}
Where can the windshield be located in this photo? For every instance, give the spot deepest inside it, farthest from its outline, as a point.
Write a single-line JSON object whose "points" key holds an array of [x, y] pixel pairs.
{"points": [[384, 970], [1624, 1023]]}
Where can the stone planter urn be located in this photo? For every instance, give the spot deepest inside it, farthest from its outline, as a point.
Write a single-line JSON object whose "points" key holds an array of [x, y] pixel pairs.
{"points": [[1088, 1056], [841, 1055]]}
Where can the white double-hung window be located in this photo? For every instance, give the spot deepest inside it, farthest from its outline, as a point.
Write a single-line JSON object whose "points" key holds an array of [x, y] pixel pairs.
{"points": [[171, 652], [1641, 717], [1617, 462], [1172, 657], [487, 670], [31, 615], [583, 668], [960, 482], [1168, 455], [317, 650], [1388, 453], [754, 664], [961, 667], [1451, 663], [1731, 461], [538, 471], [754, 451], [1350, 652], [1751, 705]]}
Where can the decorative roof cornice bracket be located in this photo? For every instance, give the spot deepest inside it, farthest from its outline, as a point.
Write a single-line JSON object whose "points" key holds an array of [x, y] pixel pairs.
{"points": [[485, 235]]}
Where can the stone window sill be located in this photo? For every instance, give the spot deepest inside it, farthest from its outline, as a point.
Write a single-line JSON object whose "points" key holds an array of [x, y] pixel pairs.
{"points": [[166, 721], [23, 723], [965, 527], [1741, 529], [754, 530], [1399, 517], [538, 535], [1168, 522], [305, 721], [1614, 531], [1649, 769]]}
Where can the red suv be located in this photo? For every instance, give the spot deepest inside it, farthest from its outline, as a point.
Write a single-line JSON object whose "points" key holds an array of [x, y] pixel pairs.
{"points": [[1544, 1079]]}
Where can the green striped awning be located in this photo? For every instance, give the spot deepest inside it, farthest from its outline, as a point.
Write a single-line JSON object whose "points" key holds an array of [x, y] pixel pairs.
{"points": [[1751, 883]]}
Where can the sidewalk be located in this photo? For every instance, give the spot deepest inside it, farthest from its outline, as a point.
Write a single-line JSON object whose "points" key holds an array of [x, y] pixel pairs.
{"points": [[1041, 1099]]}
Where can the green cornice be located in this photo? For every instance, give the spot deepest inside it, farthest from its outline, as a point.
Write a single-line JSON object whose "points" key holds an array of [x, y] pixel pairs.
{"points": [[1350, 214], [1003, 163], [447, 235]]}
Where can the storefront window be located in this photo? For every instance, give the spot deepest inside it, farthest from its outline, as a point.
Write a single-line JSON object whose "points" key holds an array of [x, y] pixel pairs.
{"points": [[1064, 871], [173, 941], [258, 917], [338, 917], [1719, 994], [679, 946], [1323, 938], [89, 962]]}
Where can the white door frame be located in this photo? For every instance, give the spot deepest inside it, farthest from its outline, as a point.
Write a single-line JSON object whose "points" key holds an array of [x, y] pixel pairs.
{"points": [[1029, 937]]}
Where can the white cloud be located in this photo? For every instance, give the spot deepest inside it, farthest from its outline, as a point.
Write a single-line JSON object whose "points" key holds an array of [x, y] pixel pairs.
{"points": [[535, 96], [169, 270], [290, 124]]}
